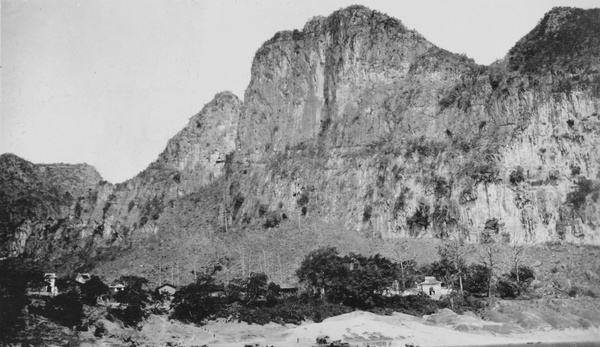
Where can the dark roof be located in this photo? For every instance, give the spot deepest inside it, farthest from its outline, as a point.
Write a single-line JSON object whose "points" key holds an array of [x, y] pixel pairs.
{"points": [[288, 290], [166, 285]]}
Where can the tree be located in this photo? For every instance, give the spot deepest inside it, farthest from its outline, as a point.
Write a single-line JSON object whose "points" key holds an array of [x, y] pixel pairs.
{"points": [[441, 270], [452, 253], [514, 254], [65, 309], [92, 289], [476, 279], [135, 299], [322, 270], [256, 287], [134, 292], [131, 315], [523, 275], [490, 249], [194, 302], [507, 287], [367, 279], [16, 276], [407, 263]]}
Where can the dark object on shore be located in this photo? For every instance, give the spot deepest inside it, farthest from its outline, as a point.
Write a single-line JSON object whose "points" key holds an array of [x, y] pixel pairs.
{"points": [[410, 345], [324, 340]]}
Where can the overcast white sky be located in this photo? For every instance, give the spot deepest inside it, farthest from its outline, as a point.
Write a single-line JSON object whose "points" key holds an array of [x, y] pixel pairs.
{"points": [[109, 82]]}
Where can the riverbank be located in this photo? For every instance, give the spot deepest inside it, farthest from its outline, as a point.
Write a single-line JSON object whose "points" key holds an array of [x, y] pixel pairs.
{"points": [[360, 329]]}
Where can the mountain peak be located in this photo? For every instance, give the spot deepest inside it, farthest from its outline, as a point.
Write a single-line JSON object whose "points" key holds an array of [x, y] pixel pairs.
{"points": [[351, 18], [226, 95], [566, 38], [354, 16]]}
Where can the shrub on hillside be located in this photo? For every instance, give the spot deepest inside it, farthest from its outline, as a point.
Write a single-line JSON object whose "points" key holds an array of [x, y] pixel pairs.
{"points": [[65, 309], [584, 188], [463, 303], [419, 220], [92, 289], [517, 176], [524, 276], [507, 288], [476, 279], [134, 299], [131, 315]]}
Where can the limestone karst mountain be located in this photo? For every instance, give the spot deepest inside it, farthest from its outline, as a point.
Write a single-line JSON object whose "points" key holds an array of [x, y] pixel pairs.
{"points": [[357, 122]]}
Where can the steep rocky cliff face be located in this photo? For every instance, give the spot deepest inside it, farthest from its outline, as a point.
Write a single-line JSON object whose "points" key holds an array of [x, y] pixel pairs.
{"points": [[352, 79], [193, 158], [54, 212], [356, 121], [395, 137]]}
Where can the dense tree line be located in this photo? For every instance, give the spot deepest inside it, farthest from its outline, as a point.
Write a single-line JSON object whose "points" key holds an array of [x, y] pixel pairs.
{"points": [[330, 284]]}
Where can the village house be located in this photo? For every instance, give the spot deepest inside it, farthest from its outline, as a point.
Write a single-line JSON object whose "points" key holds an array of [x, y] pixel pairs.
{"points": [[433, 288], [166, 289], [48, 288], [288, 291], [50, 279], [82, 277], [116, 287]]}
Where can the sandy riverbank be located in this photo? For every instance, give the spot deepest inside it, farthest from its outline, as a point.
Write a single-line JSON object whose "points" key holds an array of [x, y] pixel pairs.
{"points": [[359, 328], [364, 328]]}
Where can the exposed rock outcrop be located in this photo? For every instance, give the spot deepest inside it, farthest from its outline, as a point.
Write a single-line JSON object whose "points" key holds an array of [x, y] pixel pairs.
{"points": [[358, 120], [193, 158]]}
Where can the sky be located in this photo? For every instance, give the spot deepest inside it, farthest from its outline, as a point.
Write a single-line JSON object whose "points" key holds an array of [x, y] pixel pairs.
{"points": [[109, 82]]}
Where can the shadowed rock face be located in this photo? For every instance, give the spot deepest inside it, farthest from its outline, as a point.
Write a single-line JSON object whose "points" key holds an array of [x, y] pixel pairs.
{"points": [[358, 121], [37, 197]]}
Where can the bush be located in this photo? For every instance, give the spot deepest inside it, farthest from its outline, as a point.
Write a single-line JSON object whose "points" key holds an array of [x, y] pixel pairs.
{"points": [[573, 291], [367, 211], [65, 309], [419, 220], [194, 303], [463, 303], [584, 188], [400, 202], [517, 176], [416, 305], [131, 316], [476, 279], [486, 172], [92, 289], [507, 288], [526, 275]]}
